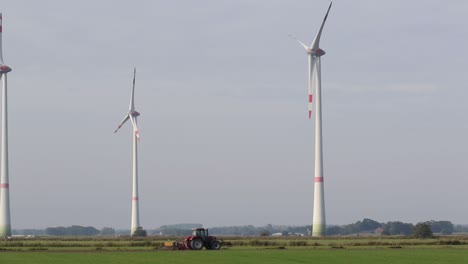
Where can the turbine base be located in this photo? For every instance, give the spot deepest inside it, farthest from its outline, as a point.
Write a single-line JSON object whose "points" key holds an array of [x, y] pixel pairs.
{"points": [[5, 231]]}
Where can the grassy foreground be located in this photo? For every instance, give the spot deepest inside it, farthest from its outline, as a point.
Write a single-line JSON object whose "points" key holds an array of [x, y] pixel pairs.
{"points": [[257, 256], [258, 250]]}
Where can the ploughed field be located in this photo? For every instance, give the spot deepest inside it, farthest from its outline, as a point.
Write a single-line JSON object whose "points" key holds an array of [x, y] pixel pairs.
{"points": [[445, 249]]}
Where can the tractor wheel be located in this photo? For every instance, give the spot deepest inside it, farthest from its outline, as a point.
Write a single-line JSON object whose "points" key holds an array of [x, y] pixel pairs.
{"points": [[196, 244], [215, 245]]}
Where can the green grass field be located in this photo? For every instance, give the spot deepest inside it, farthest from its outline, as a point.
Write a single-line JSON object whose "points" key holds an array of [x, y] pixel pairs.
{"points": [[258, 256], [63, 250]]}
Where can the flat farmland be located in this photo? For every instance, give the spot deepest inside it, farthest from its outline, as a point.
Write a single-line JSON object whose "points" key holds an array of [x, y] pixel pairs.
{"points": [[449, 249], [427, 256]]}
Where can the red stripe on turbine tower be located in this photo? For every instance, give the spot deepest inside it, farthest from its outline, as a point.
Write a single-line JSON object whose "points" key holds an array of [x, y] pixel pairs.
{"points": [[318, 179], [4, 185], [134, 198], [310, 106]]}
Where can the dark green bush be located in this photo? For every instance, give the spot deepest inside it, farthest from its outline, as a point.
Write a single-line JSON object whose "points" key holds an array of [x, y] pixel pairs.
{"points": [[298, 243]]}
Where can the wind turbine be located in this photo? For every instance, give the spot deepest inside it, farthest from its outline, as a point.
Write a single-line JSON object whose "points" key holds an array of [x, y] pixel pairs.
{"points": [[132, 116], [314, 52], [5, 225]]}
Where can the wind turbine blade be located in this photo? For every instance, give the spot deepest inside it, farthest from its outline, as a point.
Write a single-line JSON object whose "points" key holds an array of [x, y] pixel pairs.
{"points": [[303, 45], [121, 123], [132, 101], [135, 128], [315, 43], [312, 60], [1, 52]]}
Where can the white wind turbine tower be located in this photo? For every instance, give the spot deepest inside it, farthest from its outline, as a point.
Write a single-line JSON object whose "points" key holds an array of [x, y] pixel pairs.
{"points": [[132, 115], [314, 53], [5, 225]]}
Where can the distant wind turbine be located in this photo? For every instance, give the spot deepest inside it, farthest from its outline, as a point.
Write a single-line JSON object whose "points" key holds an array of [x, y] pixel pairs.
{"points": [[132, 116], [5, 224], [314, 52]]}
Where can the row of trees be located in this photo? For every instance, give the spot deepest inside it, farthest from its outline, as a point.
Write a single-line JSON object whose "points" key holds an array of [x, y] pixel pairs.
{"points": [[389, 228], [248, 230], [365, 226], [76, 230], [72, 231], [176, 230]]}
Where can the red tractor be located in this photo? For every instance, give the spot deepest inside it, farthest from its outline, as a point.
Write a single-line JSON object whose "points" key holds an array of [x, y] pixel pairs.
{"points": [[197, 241]]}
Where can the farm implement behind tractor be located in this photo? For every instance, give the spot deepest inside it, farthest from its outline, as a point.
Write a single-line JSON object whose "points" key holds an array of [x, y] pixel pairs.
{"points": [[196, 241]]}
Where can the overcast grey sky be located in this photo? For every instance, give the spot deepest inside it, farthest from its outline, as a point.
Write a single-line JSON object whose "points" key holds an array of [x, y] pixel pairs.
{"points": [[222, 92]]}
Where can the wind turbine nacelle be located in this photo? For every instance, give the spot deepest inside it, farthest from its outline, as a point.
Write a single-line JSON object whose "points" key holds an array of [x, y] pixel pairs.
{"points": [[4, 69], [316, 53], [134, 113]]}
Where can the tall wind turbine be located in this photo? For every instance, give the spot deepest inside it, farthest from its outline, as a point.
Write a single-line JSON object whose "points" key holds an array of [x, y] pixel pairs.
{"points": [[314, 52], [5, 225], [132, 116]]}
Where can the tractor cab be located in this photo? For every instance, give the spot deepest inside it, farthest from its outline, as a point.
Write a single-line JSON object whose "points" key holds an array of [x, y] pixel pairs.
{"points": [[200, 232]]}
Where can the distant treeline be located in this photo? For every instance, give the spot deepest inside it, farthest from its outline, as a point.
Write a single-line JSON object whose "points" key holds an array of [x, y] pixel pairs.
{"points": [[392, 228], [175, 230], [366, 226], [74, 230]]}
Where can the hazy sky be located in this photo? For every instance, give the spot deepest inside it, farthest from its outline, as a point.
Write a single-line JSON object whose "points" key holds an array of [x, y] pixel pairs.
{"points": [[222, 92]]}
